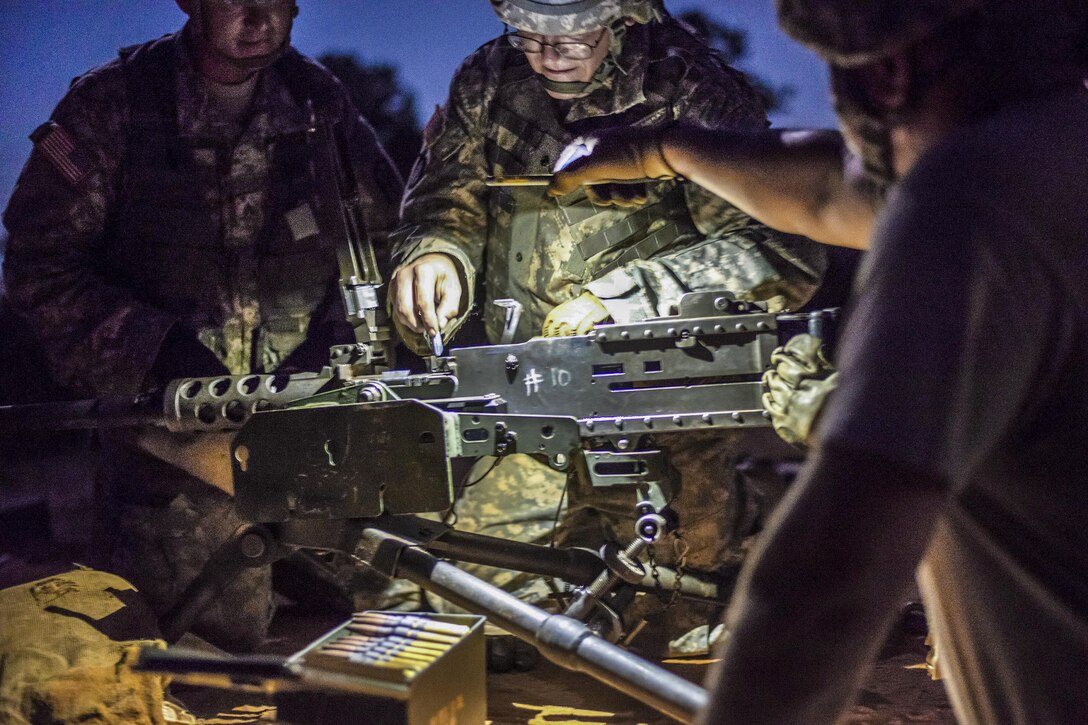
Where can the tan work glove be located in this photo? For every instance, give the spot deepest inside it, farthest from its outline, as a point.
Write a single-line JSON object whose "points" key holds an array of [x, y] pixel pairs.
{"points": [[575, 317], [613, 162], [795, 387]]}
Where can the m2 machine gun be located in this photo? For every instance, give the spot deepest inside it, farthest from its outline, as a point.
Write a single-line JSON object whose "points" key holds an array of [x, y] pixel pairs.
{"points": [[344, 461]]}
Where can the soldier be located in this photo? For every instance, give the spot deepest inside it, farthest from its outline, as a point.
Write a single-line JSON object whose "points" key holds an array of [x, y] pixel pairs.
{"points": [[960, 435], [164, 227], [564, 70]]}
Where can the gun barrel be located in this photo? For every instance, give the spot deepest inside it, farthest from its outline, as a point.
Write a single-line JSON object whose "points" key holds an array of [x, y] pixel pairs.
{"points": [[565, 641]]}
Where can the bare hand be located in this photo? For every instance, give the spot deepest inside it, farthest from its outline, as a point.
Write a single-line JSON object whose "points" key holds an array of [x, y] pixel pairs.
{"points": [[427, 293], [611, 161]]}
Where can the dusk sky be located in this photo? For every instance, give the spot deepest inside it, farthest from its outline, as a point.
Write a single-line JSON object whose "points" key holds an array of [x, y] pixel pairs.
{"points": [[45, 43]]}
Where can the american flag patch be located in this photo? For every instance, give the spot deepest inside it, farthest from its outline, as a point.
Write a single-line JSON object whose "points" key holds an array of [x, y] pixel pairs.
{"points": [[57, 146]]}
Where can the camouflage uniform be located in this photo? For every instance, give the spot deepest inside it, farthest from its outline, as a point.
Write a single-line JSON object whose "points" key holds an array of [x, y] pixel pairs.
{"points": [[499, 120], [142, 214]]}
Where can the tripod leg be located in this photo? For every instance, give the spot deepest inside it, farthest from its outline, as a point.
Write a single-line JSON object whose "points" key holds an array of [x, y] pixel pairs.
{"points": [[565, 641], [251, 545]]}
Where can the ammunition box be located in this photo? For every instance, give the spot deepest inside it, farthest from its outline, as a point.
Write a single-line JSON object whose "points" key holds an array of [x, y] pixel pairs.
{"points": [[399, 681]]}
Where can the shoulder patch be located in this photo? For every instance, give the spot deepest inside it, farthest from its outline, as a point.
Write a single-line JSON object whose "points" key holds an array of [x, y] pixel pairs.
{"points": [[57, 145]]}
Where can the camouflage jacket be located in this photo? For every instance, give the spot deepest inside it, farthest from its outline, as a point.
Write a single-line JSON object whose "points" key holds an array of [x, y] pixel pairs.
{"points": [[543, 252], [142, 211]]}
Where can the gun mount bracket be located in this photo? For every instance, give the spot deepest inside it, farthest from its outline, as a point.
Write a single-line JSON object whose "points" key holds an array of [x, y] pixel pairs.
{"points": [[491, 434]]}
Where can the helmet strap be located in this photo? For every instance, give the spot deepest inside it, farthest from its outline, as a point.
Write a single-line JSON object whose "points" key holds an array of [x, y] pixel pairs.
{"points": [[573, 88]]}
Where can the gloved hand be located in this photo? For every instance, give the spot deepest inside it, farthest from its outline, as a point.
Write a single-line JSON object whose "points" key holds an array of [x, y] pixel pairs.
{"points": [[575, 317], [617, 155], [796, 386]]}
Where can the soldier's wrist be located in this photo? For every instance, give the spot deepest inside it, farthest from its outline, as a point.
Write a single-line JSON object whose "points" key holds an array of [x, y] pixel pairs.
{"points": [[665, 148]]}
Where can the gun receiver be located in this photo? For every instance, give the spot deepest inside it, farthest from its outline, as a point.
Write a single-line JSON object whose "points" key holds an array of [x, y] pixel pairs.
{"points": [[347, 450], [698, 368], [339, 444]]}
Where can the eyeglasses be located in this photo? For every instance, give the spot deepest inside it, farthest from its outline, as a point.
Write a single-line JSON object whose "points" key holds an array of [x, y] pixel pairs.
{"points": [[573, 50]]}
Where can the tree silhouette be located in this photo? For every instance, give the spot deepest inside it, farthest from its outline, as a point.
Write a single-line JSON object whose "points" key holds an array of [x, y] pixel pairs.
{"points": [[379, 95], [733, 44]]}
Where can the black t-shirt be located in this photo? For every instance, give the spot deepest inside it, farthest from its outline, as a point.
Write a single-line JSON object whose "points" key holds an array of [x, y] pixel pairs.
{"points": [[966, 355]]}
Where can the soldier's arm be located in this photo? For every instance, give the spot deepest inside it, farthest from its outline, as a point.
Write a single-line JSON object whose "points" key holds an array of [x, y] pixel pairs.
{"points": [[734, 252], [796, 181], [96, 336], [808, 616], [444, 211]]}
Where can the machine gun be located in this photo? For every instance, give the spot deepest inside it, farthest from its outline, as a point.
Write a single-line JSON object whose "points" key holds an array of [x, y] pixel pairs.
{"points": [[343, 461]]}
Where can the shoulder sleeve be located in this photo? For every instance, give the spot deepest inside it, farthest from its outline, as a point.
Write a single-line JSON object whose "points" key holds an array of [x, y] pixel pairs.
{"points": [[445, 204], [716, 95], [96, 337], [76, 154], [954, 324]]}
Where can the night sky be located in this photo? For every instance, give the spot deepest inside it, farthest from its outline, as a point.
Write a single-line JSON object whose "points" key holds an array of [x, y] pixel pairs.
{"points": [[45, 43]]}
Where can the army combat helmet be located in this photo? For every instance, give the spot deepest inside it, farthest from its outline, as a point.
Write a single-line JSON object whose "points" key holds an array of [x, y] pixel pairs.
{"points": [[571, 17], [851, 33]]}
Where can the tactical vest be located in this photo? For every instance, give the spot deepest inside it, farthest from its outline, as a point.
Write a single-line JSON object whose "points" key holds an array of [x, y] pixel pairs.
{"points": [[524, 136], [166, 240]]}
